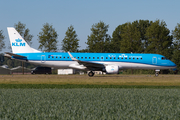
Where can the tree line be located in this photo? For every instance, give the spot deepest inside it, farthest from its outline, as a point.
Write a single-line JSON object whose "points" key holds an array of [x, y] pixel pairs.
{"points": [[140, 36]]}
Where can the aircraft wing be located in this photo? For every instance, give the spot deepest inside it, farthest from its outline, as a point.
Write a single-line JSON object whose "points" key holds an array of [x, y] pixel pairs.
{"points": [[88, 64]]}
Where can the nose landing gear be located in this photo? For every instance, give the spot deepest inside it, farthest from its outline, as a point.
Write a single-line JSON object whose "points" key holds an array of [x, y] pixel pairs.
{"points": [[157, 73]]}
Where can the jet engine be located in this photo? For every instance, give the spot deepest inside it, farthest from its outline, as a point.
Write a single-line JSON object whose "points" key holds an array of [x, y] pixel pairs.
{"points": [[112, 69]]}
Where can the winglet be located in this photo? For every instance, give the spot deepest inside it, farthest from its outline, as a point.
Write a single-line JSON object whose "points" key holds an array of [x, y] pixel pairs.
{"points": [[72, 56]]}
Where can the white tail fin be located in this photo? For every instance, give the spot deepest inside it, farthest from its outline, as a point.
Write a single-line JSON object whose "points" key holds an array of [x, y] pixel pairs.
{"points": [[18, 44]]}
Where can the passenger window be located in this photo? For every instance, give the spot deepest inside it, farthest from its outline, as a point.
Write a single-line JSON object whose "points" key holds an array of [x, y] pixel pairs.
{"points": [[133, 58], [122, 58], [59, 57], [52, 56], [89, 57], [125, 58], [141, 58], [64, 57], [81, 57], [110, 57], [78, 57], [97, 57], [56, 57], [106, 57], [137, 58], [68, 57], [85, 57], [129, 58], [93, 57], [114, 58]]}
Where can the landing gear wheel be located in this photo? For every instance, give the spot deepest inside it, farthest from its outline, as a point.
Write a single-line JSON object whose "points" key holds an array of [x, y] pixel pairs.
{"points": [[157, 74], [91, 74]]}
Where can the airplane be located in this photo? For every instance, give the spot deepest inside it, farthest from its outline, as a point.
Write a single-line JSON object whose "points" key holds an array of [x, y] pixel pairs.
{"points": [[110, 63]]}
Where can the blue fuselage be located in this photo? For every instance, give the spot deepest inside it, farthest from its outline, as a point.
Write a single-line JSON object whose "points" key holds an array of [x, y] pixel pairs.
{"points": [[123, 60]]}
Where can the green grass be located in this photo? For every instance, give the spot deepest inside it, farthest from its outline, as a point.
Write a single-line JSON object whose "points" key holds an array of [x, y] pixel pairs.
{"points": [[81, 97], [88, 104]]}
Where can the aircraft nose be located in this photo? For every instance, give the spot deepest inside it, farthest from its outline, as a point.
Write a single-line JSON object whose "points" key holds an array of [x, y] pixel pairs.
{"points": [[173, 64]]}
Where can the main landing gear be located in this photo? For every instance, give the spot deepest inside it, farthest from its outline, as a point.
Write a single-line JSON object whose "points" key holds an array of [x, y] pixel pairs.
{"points": [[91, 74]]}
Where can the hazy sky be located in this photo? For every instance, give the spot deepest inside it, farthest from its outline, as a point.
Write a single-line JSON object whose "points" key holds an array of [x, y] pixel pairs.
{"points": [[82, 14]]}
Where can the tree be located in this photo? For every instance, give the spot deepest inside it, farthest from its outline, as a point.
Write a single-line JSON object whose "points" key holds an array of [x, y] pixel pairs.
{"points": [[176, 58], [176, 36], [24, 32], [142, 26], [131, 39], [48, 38], [116, 39], [1, 59], [84, 50], [10, 63], [99, 40], [2, 44], [176, 52], [138, 25], [159, 39], [70, 41]]}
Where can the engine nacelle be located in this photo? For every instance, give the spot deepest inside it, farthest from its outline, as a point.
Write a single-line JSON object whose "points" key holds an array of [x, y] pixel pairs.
{"points": [[112, 69]]}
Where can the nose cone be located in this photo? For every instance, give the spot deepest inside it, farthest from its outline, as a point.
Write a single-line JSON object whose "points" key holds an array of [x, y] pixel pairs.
{"points": [[172, 64]]}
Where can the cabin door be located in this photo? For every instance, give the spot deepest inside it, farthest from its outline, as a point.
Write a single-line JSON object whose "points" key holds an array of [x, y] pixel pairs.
{"points": [[43, 58], [154, 60]]}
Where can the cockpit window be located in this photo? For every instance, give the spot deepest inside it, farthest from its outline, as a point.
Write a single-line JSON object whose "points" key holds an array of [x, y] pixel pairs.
{"points": [[163, 58]]}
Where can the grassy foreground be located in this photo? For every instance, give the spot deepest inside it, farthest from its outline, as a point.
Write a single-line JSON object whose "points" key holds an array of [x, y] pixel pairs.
{"points": [[83, 81], [27, 97], [90, 104]]}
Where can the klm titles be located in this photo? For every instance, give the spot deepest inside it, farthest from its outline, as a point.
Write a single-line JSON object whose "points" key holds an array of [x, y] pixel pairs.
{"points": [[18, 43]]}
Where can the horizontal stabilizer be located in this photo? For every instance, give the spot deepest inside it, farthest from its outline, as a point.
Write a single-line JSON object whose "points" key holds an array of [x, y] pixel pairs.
{"points": [[13, 55]]}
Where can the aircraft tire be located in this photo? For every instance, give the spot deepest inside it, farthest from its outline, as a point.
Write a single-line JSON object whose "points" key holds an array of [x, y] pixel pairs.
{"points": [[91, 74], [156, 74]]}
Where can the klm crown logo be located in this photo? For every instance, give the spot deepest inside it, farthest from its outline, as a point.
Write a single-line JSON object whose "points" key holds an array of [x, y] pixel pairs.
{"points": [[18, 43], [18, 40]]}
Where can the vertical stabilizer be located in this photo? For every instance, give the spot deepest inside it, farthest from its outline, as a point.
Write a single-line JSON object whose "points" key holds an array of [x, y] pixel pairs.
{"points": [[18, 44]]}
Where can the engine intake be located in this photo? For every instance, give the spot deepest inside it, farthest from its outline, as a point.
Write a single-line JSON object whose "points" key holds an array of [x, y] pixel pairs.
{"points": [[112, 69]]}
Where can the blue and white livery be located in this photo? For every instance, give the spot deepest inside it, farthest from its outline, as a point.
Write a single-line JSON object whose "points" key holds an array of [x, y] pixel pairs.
{"points": [[110, 63]]}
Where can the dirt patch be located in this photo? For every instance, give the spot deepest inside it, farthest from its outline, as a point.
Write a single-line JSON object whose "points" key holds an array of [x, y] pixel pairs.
{"points": [[162, 80]]}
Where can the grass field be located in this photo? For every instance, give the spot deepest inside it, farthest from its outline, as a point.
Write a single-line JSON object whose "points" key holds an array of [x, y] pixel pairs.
{"points": [[90, 104], [31, 97], [136, 80]]}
